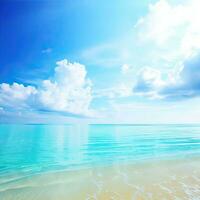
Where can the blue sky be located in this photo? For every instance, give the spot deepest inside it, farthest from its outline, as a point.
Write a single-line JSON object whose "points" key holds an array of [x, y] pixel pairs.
{"points": [[97, 61]]}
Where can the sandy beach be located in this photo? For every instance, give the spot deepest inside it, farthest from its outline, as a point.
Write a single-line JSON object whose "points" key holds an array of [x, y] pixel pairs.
{"points": [[156, 180]]}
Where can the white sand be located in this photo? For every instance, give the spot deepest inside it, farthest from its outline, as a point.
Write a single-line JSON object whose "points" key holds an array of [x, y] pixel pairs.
{"points": [[157, 180]]}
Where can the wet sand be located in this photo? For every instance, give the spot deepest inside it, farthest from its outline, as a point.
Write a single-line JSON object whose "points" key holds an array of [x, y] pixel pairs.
{"points": [[157, 180]]}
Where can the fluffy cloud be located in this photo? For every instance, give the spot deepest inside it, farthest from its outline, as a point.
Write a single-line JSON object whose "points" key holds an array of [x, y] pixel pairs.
{"points": [[172, 28], [185, 83], [67, 91], [172, 33], [148, 79], [16, 95]]}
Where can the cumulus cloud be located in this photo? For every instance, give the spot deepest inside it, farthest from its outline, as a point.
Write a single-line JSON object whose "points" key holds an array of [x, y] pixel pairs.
{"points": [[172, 33], [16, 95], [148, 79], [185, 83], [68, 90], [172, 28]]}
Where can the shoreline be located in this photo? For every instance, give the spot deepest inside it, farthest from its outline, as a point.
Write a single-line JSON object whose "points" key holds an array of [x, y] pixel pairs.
{"points": [[156, 179]]}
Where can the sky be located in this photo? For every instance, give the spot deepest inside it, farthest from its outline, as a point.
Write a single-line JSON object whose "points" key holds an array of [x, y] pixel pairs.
{"points": [[98, 61]]}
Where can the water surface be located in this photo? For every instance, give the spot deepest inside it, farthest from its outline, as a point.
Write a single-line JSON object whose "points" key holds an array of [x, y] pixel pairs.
{"points": [[29, 151]]}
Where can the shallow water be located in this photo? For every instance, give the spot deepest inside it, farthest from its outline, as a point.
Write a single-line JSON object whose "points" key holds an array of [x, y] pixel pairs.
{"points": [[100, 161]]}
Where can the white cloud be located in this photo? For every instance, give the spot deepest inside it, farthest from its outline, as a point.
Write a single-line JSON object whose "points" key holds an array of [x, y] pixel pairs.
{"points": [[16, 95], [185, 83], [168, 33], [148, 79], [172, 28], [67, 91], [171, 34]]}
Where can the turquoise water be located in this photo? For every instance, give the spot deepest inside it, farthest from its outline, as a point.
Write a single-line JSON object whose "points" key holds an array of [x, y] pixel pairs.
{"points": [[38, 148]]}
